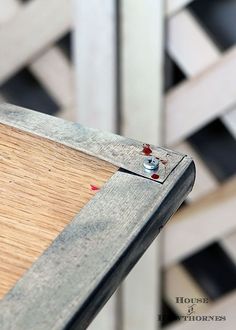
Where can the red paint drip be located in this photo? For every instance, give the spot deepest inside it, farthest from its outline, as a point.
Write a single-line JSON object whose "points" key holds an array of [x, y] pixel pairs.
{"points": [[155, 176], [147, 150], [94, 187], [164, 162]]}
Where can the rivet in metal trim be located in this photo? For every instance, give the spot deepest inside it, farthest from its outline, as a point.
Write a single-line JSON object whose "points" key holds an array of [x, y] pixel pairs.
{"points": [[151, 163]]}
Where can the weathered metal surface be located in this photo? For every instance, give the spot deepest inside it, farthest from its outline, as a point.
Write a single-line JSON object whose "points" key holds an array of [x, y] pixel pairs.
{"points": [[67, 286], [72, 280], [120, 151]]}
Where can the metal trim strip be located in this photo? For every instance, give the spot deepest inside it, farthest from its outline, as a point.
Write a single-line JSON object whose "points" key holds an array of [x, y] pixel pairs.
{"points": [[76, 275], [120, 151]]}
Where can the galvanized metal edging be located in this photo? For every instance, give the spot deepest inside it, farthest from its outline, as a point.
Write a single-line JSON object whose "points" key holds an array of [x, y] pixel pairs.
{"points": [[71, 281], [67, 286], [122, 152]]}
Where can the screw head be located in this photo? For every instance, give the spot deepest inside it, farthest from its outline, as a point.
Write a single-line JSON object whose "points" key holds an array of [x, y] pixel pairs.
{"points": [[151, 163]]}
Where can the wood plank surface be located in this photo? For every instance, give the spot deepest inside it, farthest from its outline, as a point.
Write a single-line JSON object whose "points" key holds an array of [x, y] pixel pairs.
{"points": [[42, 186]]}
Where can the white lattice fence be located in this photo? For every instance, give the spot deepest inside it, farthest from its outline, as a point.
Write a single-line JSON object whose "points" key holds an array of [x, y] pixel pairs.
{"points": [[118, 52], [207, 93], [28, 33]]}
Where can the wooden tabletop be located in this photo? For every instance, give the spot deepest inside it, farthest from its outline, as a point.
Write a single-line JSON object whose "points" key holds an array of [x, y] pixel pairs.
{"points": [[78, 208], [43, 185]]}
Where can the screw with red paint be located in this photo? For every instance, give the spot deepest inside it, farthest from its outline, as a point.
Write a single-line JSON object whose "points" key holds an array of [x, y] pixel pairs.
{"points": [[151, 163]]}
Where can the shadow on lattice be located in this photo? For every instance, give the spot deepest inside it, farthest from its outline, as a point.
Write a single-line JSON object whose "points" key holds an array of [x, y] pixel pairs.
{"points": [[23, 89], [218, 18], [211, 267]]}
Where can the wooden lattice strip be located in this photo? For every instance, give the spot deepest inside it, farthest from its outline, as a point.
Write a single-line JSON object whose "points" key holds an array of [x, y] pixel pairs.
{"points": [[172, 6], [95, 63], [202, 223], [30, 33], [142, 118], [205, 97], [51, 68], [186, 37], [95, 71], [142, 299], [186, 287], [205, 181], [183, 51], [229, 120], [141, 90], [228, 243], [55, 73], [8, 9]]}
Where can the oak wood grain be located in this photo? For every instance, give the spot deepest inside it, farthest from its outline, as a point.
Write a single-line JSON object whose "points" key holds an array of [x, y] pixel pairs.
{"points": [[42, 186]]}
